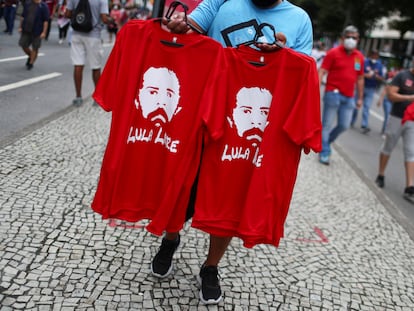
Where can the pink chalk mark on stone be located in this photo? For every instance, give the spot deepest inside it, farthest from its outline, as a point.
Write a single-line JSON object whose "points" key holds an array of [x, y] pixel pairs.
{"points": [[319, 233], [113, 223]]}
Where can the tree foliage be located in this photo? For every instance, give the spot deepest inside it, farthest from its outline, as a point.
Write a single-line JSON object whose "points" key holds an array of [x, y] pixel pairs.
{"points": [[329, 17]]}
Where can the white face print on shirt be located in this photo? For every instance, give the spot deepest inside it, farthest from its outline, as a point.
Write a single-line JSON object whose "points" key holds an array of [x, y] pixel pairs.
{"points": [[159, 95], [250, 112]]}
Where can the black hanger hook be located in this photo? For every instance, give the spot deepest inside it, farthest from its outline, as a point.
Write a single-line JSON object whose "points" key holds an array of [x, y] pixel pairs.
{"points": [[172, 8], [259, 32]]}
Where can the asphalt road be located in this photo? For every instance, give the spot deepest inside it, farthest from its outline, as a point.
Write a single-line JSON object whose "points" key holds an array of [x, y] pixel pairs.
{"points": [[28, 99]]}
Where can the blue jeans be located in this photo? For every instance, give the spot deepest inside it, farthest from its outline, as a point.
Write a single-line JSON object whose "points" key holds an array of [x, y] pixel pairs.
{"points": [[386, 105], [9, 16], [335, 106], [369, 93]]}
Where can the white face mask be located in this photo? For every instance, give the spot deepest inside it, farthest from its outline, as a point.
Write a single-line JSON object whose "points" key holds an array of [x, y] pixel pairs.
{"points": [[350, 43]]}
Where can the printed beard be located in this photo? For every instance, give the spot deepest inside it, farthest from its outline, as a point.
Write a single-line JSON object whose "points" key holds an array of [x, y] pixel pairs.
{"points": [[253, 134], [158, 116]]}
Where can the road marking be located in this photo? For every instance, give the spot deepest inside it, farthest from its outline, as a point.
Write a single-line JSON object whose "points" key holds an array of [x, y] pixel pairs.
{"points": [[376, 115], [16, 85], [10, 59]]}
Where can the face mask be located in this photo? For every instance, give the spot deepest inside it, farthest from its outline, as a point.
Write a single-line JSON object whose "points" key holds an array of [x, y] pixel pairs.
{"points": [[350, 43], [264, 3], [373, 61]]}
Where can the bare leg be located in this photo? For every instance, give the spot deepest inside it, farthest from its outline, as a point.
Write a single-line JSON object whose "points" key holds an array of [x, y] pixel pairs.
{"points": [[383, 161], [96, 74], [28, 51], [171, 235], [409, 173], [77, 77], [33, 56], [218, 246]]}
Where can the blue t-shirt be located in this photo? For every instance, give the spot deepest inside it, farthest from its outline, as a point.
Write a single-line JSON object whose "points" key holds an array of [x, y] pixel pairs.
{"points": [[34, 15], [234, 22], [377, 67]]}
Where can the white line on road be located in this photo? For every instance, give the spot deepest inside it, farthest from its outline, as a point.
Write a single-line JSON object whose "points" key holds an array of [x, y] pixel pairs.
{"points": [[16, 85], [376, 115], [17, 58]]}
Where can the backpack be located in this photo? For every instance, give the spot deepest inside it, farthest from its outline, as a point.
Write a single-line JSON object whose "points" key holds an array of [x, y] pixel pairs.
{"points": [[81, 19]]}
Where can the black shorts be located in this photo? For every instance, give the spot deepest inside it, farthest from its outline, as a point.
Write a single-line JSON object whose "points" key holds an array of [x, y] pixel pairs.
{"points": [[27, 39]]}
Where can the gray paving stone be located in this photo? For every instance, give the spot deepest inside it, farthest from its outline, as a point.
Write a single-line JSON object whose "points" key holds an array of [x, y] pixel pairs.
{"points": [[55, 253]]}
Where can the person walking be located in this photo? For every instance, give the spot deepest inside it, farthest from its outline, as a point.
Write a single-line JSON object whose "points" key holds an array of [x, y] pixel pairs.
{"points": [[230, 23], [401, 93], [386, 106], [2, 10], [63, 22], [87, 45], [53, 6], [9, 13], [33, 27], [318, 53], [374, 77], [343, 67]]}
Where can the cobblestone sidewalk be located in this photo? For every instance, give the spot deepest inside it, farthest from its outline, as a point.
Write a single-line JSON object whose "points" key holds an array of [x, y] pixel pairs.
{"points": [[342, 250]]}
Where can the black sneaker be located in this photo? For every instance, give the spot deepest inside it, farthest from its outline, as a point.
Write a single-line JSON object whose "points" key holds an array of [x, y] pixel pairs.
{"points": [[380, 181], [29, 66], [409, 194], [28, 61], [365, 130], [210, 292], [161, 265]]}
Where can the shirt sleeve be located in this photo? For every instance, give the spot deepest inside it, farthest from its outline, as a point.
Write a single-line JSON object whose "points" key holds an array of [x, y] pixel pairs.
{"points": [[304, 40], [104, 92], [205, 13], [70, 5], [304, 122], [104, 7], [327, 61], [215, 96]]}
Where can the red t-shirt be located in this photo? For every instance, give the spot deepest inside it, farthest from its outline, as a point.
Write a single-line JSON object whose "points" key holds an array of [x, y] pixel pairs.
{"points": [[51, 5], [343, 70], [235, 170], [408, 113], [148, 167]]}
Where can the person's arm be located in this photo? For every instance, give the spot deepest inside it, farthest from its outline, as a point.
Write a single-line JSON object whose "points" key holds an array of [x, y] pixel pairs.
{"points": [[360, 90], [382, 95], [54, 9], [104, 12], [106, 19], [322, 72], [45, 18], [199, 20], [45, 25], [20, 29], [395, 97], [68, 11], [69, 8]]}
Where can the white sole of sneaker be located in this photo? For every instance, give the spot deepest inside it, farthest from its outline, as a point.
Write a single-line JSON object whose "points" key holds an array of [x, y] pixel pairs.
{"points": [[209, 301], [161, 276]]}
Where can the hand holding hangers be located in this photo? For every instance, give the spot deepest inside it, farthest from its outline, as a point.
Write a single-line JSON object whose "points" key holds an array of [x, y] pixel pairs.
{"points": [[280, 39], [177, 22], [279, 43]]}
